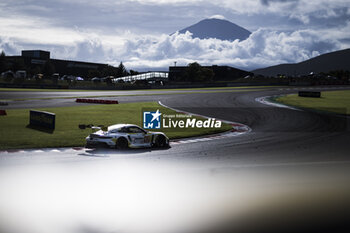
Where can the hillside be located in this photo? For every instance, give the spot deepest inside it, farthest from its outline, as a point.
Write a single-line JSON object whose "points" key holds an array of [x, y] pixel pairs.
{"points": [[338, 60]]}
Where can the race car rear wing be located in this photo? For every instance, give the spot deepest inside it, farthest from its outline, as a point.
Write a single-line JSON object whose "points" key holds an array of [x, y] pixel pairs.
{"points": [[91, 126]]}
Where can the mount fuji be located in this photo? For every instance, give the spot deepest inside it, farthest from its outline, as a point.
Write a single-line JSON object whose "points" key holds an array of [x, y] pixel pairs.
{"points": [[218, 28]]}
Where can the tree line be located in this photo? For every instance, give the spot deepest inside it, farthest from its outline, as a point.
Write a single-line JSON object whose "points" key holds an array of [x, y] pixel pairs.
{"points": [[194, 72]]}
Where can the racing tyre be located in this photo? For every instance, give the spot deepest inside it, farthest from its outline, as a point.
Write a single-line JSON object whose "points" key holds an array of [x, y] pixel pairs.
{"points": [[160, 141], [122, 143]]}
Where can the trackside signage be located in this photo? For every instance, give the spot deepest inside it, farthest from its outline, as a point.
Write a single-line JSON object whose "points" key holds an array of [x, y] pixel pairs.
{"points": [[42, 119], [157, 120]]}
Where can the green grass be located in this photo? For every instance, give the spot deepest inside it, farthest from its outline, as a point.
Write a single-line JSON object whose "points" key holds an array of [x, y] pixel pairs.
{"points": [[14, 132], [330, 101]]}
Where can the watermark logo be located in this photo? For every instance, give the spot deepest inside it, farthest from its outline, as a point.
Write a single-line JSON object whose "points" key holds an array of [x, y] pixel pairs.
{"points": [[152, 120], [155, 120]]}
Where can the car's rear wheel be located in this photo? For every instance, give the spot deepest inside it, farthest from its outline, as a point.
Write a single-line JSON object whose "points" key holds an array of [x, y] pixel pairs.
{"points": [[160, 141], [122, 143]]}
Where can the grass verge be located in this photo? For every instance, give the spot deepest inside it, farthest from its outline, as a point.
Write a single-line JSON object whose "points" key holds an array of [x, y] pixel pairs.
{"points": [[330, 101], [15, 134]]}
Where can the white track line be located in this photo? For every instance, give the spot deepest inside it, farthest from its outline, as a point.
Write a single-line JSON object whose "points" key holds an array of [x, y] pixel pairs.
{"points": [[237, 129], [265, 100]]}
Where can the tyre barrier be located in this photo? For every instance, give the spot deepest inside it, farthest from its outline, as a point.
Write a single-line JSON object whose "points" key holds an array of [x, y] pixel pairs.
{"points": [[3, 103], [96, 101], [3, 113]]}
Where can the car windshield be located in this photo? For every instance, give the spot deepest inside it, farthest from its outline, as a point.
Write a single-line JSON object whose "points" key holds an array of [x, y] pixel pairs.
{"points": [[114, 129]]}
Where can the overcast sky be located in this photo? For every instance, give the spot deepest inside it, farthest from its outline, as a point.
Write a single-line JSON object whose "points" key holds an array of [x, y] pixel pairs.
{"points": [[137, 32]]}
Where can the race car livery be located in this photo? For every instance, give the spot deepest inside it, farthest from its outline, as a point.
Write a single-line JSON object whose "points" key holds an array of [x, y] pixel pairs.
{"points": [[124, 136]]}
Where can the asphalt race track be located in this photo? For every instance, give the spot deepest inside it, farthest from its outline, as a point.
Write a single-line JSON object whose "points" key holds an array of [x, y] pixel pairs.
{"points": [[213, 186], [279, 134]]}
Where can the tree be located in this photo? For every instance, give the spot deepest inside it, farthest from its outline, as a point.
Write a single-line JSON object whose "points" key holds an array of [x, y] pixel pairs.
{"points": [[196, 73], [207, 75], [133, 72], [192, 71], [3, 64], [121, 70]]}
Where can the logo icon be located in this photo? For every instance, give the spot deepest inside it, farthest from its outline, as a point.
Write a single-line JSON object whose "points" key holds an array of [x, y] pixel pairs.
{"points": [[151, 120]]}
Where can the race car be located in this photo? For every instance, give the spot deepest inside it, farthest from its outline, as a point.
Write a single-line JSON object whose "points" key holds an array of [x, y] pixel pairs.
{"points": [[124, 136]]}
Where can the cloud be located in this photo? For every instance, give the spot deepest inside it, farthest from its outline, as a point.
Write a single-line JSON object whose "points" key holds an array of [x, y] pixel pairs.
{"points": [[267, 2], [9, 46], [263, 48]]}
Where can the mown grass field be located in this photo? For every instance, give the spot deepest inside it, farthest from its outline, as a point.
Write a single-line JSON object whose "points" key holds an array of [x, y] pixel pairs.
{"points": [[14, 132], [330, 101]]}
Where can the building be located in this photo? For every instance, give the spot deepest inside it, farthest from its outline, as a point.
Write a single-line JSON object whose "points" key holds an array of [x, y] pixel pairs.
{"points": [[38, 59], [221, 73]]}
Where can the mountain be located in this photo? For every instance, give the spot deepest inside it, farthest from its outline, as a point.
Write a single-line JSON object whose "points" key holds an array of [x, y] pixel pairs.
{"points": [[217, 28], [338, 60]]}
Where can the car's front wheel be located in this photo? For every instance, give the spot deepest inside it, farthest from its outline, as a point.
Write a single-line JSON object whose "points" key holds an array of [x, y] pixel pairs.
{"points": [[122, 143]]}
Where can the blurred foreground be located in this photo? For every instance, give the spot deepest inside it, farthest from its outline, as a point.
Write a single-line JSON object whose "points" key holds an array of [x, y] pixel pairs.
{"points": [[150, 197]]}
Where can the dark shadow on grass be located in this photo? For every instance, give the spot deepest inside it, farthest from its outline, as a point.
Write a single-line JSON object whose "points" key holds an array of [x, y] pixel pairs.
{"points": [[40, 128]]}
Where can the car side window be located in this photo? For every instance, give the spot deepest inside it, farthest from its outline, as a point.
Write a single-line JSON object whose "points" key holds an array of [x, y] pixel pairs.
{"points": [[135, 130], [124, 130]]}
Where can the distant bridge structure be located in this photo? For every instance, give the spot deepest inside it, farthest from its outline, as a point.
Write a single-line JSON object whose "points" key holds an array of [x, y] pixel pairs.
{"points": [[149, 76]]}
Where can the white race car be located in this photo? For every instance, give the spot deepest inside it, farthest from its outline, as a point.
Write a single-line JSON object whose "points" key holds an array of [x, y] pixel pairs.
{"points": [[124, 136]]}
